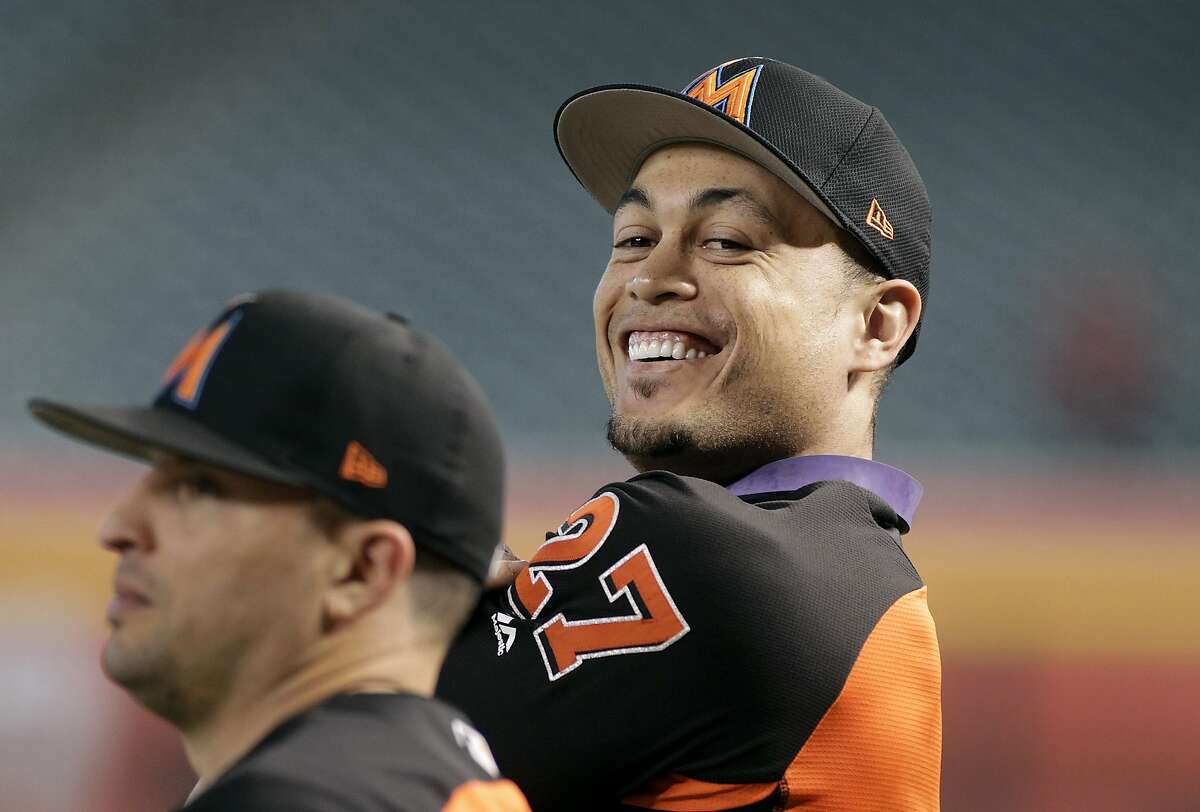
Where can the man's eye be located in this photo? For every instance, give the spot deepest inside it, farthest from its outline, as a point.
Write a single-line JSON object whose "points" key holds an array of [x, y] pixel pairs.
{"points": [[198, 484], [635, 242], [725, 245]]}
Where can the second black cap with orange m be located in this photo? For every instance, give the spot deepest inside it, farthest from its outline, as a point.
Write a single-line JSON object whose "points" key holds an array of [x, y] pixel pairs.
{"points": [[321, 393]]}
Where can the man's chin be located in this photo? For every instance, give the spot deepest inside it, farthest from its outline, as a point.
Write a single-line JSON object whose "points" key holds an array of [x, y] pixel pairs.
{"points": [[135, 668], [649, 439], [117, 661]]}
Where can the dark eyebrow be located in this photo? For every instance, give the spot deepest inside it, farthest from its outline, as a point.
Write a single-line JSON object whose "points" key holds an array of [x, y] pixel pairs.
{"points": [[742, 198], [634, 195]]}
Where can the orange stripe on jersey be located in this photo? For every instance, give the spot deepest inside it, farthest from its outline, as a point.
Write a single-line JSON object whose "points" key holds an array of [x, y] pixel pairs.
{"points": [[487, 796], [879, 746], [679, 793]]}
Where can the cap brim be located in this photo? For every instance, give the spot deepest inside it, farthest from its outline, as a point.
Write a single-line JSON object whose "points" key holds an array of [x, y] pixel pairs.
{"points": [[605, 133], [143, 432]]}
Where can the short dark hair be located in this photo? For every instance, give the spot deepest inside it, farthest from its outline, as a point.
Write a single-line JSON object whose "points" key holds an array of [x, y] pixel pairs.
{"points": [[442, 593]]}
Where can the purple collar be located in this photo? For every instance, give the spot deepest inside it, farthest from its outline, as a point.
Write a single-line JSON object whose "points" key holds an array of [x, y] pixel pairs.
{"points": [[892, 485]]}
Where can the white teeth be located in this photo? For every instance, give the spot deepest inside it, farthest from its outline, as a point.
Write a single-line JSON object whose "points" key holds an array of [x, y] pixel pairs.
{"points": [[651, 346]]}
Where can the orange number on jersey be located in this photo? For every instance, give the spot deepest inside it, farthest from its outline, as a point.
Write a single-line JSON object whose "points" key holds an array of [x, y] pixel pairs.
{"points": [[654, 624], [577, 541]]}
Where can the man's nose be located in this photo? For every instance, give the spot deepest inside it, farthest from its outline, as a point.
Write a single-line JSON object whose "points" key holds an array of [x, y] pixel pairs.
{"points": [[663, 276], [126, 527]]}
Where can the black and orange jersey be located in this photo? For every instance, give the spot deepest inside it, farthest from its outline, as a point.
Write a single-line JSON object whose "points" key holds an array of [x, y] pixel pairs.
{"points": [[366, 753], [679, 645]]}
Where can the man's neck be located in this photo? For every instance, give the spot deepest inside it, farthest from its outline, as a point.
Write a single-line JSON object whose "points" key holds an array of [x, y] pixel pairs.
{"points": [[725, 468], [248, 716]]}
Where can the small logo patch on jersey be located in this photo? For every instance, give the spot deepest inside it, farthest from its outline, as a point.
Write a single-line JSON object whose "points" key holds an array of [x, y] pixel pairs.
{"points": [[472, 741], [359, 465], [877, 220], [506, 633], [734, 96]]}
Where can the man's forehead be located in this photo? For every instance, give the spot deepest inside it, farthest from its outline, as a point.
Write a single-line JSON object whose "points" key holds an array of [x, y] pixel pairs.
{"points": [[700, 157]]}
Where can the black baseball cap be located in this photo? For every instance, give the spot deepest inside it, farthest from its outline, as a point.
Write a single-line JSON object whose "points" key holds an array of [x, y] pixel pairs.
{"points": [[837, 152], [321, 393]]}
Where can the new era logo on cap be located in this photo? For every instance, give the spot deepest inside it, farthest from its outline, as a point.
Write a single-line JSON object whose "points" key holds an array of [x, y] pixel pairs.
{"points": [[359, 465], [877, 220]]}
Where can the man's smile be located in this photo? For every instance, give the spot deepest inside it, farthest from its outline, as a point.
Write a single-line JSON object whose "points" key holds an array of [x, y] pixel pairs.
{"points": [[649, 345], [658, 354]]}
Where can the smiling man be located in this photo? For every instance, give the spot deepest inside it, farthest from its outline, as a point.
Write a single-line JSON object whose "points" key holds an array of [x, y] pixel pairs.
{"points": [[738, 626], [323, 503]]}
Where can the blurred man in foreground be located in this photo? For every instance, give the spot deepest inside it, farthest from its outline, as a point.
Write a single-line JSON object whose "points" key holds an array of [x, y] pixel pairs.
{"points": [[323, 503], [739, 626]]}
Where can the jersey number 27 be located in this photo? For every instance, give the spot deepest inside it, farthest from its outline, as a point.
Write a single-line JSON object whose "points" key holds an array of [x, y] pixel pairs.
{"points": [[652, 623]]}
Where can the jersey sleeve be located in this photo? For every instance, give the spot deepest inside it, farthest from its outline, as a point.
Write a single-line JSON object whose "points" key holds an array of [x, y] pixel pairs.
{"points": [[662, 648], [878, 746], [577, 669]]}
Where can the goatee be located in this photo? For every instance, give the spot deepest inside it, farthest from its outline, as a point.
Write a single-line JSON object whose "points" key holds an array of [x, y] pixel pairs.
{"points": [[649, 440]]}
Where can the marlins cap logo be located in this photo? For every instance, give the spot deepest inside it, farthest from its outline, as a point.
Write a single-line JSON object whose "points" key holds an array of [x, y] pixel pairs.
{"points": [[189, 370], [733, 96]]}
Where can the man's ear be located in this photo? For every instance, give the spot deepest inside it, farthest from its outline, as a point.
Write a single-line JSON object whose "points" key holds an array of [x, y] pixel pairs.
{"points": [[374, 558], [890, 313]]}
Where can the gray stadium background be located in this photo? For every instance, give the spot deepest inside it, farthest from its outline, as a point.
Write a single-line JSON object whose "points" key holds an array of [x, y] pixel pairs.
{"points": [[159, 157]]}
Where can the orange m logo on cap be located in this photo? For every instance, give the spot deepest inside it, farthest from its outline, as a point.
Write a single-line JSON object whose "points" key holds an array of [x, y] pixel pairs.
{"points": [[733, 97], [189, 370]]}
